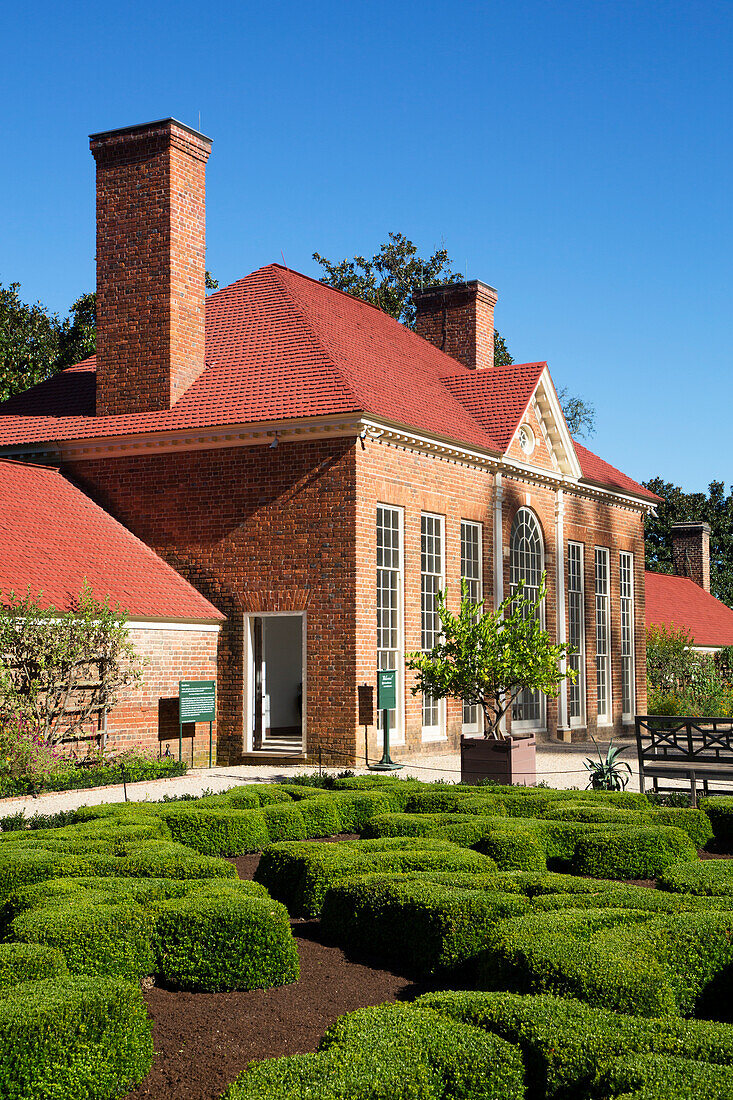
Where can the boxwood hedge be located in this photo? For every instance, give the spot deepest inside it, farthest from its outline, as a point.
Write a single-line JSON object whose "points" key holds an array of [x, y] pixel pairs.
{"points": [[570, 1049], [299, 875], [87, 1038], [393, 1052]]}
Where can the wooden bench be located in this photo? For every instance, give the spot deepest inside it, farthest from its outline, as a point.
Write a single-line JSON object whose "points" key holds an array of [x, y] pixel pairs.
{"points": [[695, 749]]}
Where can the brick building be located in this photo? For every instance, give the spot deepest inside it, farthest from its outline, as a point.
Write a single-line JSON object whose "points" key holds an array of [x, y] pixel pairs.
{"points": [[317, 472]]}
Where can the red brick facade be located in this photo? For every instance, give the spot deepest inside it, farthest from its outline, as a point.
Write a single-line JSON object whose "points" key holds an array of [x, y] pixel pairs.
{"points": [[146, 716], [151, 256], [257, 529]]}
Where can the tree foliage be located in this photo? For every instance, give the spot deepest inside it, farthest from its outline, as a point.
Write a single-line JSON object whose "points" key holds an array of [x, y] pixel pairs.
{"points": [[485, 658], [58, 668], [714, 507], [682, 680], [392, 277], [29, 342]]}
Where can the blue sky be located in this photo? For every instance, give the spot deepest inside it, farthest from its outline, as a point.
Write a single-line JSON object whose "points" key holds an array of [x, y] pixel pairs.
{"points": [[576, 155]]}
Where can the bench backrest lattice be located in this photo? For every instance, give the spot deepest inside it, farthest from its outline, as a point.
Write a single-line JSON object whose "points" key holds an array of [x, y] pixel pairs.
{"points": [[684, 747]]}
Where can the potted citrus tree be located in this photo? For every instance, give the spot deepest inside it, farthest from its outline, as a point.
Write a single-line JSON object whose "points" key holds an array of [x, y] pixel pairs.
{"points": [[485, 658]]}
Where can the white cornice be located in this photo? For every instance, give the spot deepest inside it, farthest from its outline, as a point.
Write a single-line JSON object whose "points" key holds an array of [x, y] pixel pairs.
{"points": [[375, 429]]}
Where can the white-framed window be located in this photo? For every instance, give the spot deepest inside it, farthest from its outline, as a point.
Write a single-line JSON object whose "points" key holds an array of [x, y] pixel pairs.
{"points": [[431, 582], [626, 595], [576, 633], [603, 638], [390, 636], [526, 563], [471, 574]]}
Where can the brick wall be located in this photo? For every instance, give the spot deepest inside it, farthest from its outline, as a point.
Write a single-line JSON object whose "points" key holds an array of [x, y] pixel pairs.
{"points": [[151, 254], [255, 529], [146, 716], [691, 552]]}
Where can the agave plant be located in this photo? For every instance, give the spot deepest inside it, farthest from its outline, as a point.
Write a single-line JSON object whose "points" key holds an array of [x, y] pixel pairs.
{"points": [[607, 775]]}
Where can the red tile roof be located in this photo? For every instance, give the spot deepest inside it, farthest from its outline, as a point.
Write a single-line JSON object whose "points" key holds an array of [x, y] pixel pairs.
{"points": [[497, 398], [595, 469], [679, 602], [53, 537], [281, 346]]}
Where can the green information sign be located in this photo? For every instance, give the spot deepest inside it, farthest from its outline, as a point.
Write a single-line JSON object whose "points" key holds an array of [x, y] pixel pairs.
{"points": [[196, 700], [387, 690], [196, 703]]}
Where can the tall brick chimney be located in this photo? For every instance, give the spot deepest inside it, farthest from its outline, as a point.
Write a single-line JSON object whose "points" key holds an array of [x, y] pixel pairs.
{"points": [[691, 552], [459, 319], [151, 257]]}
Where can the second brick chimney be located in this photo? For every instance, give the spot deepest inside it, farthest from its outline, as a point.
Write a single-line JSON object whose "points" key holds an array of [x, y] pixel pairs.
{"points": [[691, 552], [151, 260], [459, 319]]}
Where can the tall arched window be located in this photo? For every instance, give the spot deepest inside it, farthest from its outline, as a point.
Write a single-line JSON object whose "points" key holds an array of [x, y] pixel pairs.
{"points": [[526, 562]]}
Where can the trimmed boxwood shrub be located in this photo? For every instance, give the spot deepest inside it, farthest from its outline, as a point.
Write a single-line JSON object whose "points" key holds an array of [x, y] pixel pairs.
{"points": [[284, 822], [300, 874], [354, 808], [720, 813], [219, 830], [87, 1038], [568, 1045], [224, 941], [108, 939], [392, 1052], [27, 962], [629, 960], [565, 953], [657, 1077], [425, 926], [631, 852], [710, 876]]}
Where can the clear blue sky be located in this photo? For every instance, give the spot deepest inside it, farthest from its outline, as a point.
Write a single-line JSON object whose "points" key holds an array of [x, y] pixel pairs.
{"points": [[576, 155]]}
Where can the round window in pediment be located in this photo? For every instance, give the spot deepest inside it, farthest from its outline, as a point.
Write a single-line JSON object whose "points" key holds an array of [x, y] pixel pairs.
{"points": [[526, 438]]}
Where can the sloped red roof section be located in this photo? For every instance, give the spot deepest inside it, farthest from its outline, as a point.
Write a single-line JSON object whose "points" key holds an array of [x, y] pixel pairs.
{"points": [[282, 346], [678, 602], [603, 473], [497, 398], [53, 538]]}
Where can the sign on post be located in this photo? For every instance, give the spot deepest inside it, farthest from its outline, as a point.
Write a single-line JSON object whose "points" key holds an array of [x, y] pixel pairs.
{"points": [[196, 703], [387, 690], [386, 701]]}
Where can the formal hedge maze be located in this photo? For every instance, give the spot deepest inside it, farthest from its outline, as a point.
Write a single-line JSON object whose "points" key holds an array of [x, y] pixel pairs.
{"points": [[584, 948]]}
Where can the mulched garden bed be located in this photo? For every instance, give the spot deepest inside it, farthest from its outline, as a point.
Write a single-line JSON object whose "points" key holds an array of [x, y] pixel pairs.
{"points": [[204, 1040]]}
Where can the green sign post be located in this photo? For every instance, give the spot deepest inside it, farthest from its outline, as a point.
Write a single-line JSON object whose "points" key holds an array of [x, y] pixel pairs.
{"points": [[196, 703], [386, 701]]}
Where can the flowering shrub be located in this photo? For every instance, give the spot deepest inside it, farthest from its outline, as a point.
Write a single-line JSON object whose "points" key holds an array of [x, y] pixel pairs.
{"points": [[25, 756], [29, 765]]}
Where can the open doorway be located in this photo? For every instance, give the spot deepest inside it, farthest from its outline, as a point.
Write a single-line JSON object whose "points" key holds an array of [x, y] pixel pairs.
{"points": [[276, 682]]}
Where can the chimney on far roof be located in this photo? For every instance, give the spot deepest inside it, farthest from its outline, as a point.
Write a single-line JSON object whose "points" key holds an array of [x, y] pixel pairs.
{"points": [[691, 552], [459, 319], [151, 257]]}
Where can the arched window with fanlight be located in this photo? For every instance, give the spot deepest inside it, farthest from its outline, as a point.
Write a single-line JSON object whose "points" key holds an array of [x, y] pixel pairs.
{"points": [[526, 563]]}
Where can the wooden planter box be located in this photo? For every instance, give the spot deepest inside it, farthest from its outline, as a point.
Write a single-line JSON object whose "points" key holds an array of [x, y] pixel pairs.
{"points": [[512, 760]]}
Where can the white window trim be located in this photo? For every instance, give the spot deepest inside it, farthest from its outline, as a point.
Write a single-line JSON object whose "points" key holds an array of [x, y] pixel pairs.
{"points": [[397, 735], [580, 720], [435, 733], [475, 727], [532, 725], [249, 685], [627, 716], [606, 718]]}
